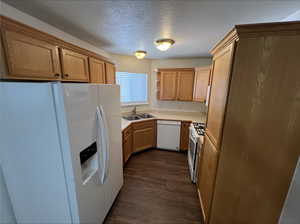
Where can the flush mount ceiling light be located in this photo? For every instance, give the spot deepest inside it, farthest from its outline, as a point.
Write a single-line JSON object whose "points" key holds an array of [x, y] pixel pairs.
{"points": [[140, 54], [164, 44]]}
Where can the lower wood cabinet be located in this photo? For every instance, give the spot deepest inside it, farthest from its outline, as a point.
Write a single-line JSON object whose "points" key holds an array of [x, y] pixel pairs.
{"points": [[144, 135], [184, 135], [137, 137], [207, 176], [127, 144]]}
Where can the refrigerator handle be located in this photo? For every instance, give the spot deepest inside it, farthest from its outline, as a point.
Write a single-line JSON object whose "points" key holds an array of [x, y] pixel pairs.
{"points": [[105, 131], [101, 146]]}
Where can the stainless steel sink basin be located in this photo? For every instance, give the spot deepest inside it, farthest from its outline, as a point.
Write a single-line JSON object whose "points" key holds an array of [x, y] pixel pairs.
{"points": [[145, 115], [137, 116], [131, 117]]}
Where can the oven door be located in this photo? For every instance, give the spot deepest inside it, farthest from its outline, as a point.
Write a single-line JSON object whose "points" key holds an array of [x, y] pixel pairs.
{"points": [[192, 152]]}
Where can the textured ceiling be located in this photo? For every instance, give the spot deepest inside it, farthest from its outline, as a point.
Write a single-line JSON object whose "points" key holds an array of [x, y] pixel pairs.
{"points": [[124, 26]]}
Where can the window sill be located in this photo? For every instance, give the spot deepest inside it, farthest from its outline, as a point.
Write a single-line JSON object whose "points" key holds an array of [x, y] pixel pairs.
{"points": [[133, 104]]}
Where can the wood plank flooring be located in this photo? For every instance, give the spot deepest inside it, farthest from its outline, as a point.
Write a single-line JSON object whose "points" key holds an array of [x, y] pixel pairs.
{"points": [[157, 190]]}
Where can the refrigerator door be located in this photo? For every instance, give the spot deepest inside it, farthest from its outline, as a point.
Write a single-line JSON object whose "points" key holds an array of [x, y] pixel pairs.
{"points": [[80, 102], [31, 154], [109, 101]]}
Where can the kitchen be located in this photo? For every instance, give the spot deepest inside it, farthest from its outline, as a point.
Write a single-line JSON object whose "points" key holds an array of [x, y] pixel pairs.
{"points": [[174, 137]]}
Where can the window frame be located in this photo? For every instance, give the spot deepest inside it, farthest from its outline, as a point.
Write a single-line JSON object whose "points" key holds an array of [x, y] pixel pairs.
{"points": [[147, 102]]}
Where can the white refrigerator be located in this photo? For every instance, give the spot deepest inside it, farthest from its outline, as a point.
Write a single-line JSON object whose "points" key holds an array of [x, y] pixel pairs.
{"points": [[60, 150]]}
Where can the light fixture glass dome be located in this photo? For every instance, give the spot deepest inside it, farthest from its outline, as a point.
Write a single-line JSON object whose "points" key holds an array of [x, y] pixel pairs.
{"points": [[140, 54], [164, 44]]}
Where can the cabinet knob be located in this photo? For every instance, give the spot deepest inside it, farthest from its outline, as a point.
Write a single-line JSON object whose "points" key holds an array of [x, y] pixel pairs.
{"points": [[56, 75], [66, 75]]}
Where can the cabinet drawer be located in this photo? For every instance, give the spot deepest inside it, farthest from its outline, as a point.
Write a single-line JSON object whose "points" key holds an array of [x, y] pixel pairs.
{"points": [[144, 124]]}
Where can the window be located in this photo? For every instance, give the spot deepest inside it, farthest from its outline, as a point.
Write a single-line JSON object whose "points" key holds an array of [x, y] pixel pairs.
{"points": [[134, 88]]}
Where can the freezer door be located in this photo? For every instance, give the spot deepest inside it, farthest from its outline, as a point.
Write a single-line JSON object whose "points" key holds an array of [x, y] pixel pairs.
{"points": [[30, 154], [109, 101], [80, 102]]}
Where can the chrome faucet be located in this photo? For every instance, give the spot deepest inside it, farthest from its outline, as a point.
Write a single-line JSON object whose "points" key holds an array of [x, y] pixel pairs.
{"points": [[134, 110]]}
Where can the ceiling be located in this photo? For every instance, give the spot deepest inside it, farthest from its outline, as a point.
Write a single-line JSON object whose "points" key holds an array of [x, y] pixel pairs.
{"points": [[124, 26]]}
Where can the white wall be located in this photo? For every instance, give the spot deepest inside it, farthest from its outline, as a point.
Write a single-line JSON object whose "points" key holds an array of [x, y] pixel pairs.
{"points": [[175, 63]]}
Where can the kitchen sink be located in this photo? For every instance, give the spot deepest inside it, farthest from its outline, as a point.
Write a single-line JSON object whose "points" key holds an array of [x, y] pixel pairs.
{"points": [[145, 116], [137, 116], [132, 117]]}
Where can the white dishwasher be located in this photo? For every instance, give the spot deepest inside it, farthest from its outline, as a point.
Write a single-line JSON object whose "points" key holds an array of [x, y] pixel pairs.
{"points": [[168, 134]]}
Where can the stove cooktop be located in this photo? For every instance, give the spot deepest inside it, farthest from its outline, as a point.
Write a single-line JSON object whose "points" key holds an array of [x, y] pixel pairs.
{"points": [[199, 127]]}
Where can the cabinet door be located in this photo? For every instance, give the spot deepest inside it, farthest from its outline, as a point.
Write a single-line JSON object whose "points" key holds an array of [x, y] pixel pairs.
{"points": [[110, 73], [143, 139], [97, 71], [184, 135], [74, 66], [127, 148], [201, 83], [30, 58], [185, 85], [207, 175], [168, 85], [218, 95]]}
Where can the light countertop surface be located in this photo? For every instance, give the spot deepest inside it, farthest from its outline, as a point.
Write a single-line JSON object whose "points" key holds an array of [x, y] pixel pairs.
{"points": [[168, 115]]}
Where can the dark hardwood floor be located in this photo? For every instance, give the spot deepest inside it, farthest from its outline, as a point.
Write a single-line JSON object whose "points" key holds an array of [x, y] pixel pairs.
{"points": [[157, 190]]}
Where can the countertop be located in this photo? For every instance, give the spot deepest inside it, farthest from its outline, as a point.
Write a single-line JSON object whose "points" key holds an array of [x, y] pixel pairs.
{"points": [[168, 115]]}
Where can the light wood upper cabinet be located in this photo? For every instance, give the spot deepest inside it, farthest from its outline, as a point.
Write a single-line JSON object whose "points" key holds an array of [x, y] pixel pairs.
{"points": [[175, 84], [207, 175], [185, 85], [168, 85], [219, 90], [74, 66], [31, 54], [202, 75], [110, 73], [30, 58], [97, 71]]}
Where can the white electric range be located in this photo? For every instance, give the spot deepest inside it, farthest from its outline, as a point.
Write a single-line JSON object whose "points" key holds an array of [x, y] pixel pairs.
{"points": [[196, 138]]}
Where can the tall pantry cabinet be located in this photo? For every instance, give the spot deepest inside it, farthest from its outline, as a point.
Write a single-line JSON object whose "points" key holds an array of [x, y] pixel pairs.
{"points": [[252, 140]]}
